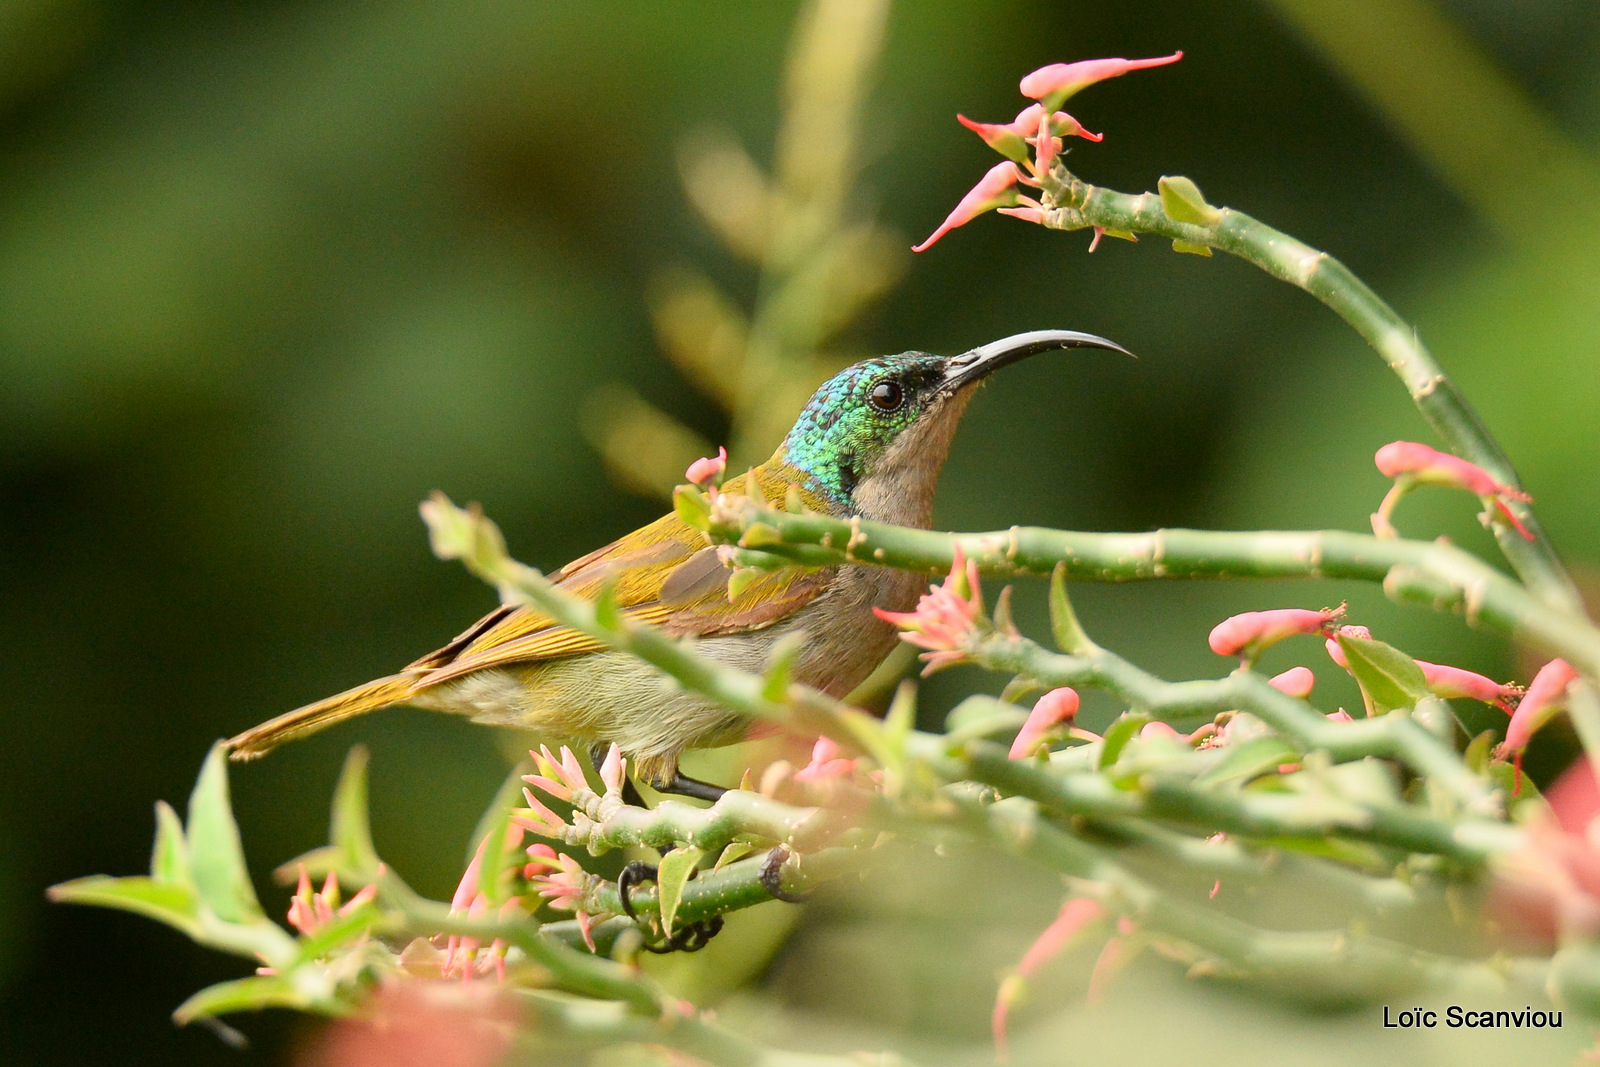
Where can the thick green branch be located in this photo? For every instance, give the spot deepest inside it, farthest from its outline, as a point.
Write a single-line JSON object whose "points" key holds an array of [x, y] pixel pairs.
{"points": [[1425, 571], [1073, 204]]}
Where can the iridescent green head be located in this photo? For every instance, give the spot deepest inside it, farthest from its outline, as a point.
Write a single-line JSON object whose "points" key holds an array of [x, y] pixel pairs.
{"points": [[873, 438]]}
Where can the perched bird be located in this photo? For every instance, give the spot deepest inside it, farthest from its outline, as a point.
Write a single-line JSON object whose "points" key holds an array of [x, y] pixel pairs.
{"points": [[870, 442]]}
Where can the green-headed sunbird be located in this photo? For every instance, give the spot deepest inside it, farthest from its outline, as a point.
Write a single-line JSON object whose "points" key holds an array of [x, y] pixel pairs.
{"points": [[870, 442]]}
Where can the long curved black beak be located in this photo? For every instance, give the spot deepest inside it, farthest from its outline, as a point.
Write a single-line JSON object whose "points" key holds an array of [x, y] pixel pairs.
{"points": [[979, 363]]}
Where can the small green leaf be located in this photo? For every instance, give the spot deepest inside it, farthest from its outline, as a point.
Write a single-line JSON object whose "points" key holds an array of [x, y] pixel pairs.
{"points": [[177, 906], [339, 932], [169, 859], [1390, 678], [979, 716], [606, 611], [1182, 200], [1064, 625], [349, 829], [1003, 622], [1190, 248], [215, 853], [902, 714], [780, 668], [242, 994], [1125, 729], [1249, 760], [741, 580], [1480, 750], [672, 874], [737, 850], [759, 535], [690, 505]]}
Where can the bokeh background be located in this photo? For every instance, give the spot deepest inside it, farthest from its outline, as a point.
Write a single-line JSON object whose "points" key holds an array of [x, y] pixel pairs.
{"points": [[270, 272]]}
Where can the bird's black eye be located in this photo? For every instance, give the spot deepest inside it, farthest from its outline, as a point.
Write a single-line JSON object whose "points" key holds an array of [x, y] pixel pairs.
{"points": [[887, 395]]}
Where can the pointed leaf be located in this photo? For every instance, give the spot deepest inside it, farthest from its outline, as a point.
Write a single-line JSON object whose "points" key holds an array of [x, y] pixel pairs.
{"points": [[1064, 626], [1182, 201], [1125, 729], [349, 828], [1249, 760], [1190, 248], [672, 874], [979, 716], [242, 994], [780, 668], [902, 715], [494, 825], [735, 851], [690, 505], [341, 931], [177, 906], [1389, 677], [1480, 750], [759, 535], [169, 859], [215, 853]]}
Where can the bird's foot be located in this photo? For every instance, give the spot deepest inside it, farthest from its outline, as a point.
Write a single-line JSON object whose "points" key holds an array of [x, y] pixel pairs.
{"points": [[772, 875], [691, 937], [684, 786]]}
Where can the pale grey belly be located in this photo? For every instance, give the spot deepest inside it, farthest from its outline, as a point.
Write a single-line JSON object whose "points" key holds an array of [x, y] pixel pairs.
{"points": [[606, 697]]}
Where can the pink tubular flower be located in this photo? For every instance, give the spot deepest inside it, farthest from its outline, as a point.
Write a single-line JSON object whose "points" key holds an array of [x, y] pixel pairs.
{"points": [[1012, 139], [310, 912], [825, 763], [1550, 887], [1335, 652], [708, 470], [1296, 681], [995, 189], [1410, 463], [1253, 632], [944, 618], [562, 881], [1446, 681], [1074, 916], [1546, 695], [1056, 706], [1052, 85]]}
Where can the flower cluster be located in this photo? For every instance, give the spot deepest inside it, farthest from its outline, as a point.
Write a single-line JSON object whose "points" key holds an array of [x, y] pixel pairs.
{"points": [[310, 912], [1411, 464], [946, 618], [1039, 127]]}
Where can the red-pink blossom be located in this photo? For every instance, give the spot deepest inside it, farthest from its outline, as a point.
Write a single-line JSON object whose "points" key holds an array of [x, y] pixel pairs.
{"points": [[1551, 885], [1446, 681], [943, 621], [1336, 650], [310, 912], [1075, 914], [1052, 85], [708, 470], [1249, 634], [1013, 139], [1296, 681], [1411, 463], [1546, 695], [995, 189], [825, 763], [1056, 706]]}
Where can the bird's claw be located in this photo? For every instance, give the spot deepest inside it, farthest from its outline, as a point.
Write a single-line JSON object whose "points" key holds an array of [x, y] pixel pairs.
{"points": [[688, 938], [772, 875]]}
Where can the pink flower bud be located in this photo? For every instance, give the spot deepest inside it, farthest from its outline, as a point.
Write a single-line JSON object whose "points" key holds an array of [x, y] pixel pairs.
{"points": [[1075, 914], [708, 470], [1546, 695], [995, 189], [1034, 215], [1428, 466], [1296, 681], [1444, 681], [1064, 125], [1056, 706], [1054, 84], [1251, 633], [1010, 139], [1335, 652]]}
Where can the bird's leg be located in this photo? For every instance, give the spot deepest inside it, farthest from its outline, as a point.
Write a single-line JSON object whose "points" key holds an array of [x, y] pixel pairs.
{"points": [[690, 938], [772, 875], [684, 786]]}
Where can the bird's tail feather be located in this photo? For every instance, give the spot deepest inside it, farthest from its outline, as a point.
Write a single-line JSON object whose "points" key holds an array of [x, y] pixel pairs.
{"points": [[301, 722]]}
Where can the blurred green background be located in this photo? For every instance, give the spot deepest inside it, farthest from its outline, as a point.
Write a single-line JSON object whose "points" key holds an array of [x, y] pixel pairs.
{"points": [[271, 272]]}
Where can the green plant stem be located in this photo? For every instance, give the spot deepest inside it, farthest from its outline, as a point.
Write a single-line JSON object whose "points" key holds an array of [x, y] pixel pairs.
{"points": [[1396, 736], [1073, 204], [1320, 962], [606, 823], [735, 886], [1172, 799], [1440, 575]]}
